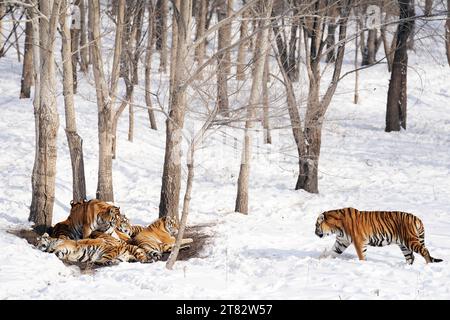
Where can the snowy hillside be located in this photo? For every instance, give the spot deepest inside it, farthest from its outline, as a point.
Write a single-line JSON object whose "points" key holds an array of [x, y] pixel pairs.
{"points": [[272, 253]]}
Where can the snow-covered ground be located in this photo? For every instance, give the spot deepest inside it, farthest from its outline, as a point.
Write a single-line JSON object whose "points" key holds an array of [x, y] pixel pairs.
{"points": [[271, 253]]}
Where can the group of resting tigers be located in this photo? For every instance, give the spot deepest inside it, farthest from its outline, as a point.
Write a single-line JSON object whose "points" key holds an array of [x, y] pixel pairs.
{"points": [[97, 233]]}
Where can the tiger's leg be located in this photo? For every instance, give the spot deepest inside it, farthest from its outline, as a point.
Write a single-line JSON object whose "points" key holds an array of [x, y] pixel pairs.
{"points": [[409, 256], [418, 247], [340, 245], [152, 252], [108, 257], [361, 248], [167, 247], [338, 248], [136, 254]]}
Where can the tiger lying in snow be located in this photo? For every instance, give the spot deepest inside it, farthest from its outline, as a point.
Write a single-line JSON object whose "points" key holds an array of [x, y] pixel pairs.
{"points": [[158, 237], [103, 250]]}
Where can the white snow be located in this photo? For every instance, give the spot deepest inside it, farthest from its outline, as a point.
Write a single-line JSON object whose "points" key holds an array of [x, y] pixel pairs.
{"points": [[272, 253]]}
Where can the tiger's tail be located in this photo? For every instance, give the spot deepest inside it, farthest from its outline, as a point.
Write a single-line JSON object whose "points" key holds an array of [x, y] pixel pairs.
{"points": [[436, 260]]}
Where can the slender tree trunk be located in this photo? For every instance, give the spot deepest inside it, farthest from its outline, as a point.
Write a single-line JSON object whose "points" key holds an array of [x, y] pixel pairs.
{"points": [[105, 97], [44, 173], [428, 7], [201, 21], [184, 215], [447, 33], [293, 68], [356, 95], [412, 33], [148, 65], [173, 49], [36, 103], [130, 119], [371, 46], [397, 93], [74, 140], [2, 13], [266, 79], [254, 99], [162, 9], [27, 70], [137, 39], [240, 64], [171, 179], [90, 36], [330, 40], [75, 41], [223, 59], [84, 47]]}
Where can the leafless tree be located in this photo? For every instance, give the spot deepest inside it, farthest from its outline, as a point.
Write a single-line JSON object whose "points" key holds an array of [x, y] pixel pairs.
{"points": [[46, 115]]}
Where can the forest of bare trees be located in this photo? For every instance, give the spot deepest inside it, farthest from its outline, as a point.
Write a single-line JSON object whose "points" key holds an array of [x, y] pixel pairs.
{"points": [[228, 54]]}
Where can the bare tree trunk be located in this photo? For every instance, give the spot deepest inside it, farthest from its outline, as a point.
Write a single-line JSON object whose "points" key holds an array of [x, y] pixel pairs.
{"points": [[90, 37], [27, 70], [240, 64], [254, 99], [428, 7], [223, 59], [74, 140], [266, 79], [44, 171], [330, 40], [371, 46], [105, 97], [75, 46], [292, 61], [412, 32], [36, 101], [201, 21], [447, 33], [356, 95], [184, 215], [84, 47], [137, 25], [173, 49], [171, 179], [397, 93], [130, 119], [162, 9], [148, 65], [2, 13]]}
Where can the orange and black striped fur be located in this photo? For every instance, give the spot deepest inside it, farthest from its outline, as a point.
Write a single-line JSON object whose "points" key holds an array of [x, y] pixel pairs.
{"points": [[158, 237], [103, 250], [86, 217], [374, 228]]}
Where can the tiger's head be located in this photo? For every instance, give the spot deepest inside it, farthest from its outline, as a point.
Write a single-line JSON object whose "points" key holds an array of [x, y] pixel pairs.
{"points": [[123, 224], [108, 218], [46, 243], [171, 224], [328, 223]]}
